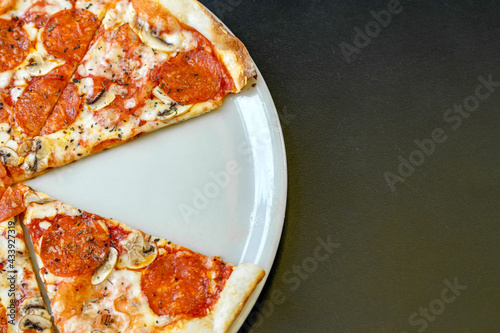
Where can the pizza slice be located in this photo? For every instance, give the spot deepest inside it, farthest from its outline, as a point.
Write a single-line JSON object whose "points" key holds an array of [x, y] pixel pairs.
{"points": [[41, 44], [103, 276], [151, 64], [22, 308]]}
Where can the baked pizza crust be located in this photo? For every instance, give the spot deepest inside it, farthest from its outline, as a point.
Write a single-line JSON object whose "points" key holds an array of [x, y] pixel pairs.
{"points": [[238, 288]]}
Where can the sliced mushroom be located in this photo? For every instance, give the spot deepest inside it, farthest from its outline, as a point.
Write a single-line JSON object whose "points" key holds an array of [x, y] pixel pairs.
{"points": [[43, 152], [151, 38], [140, 251], [39, 312], [36, 323], [106, 267], [24, 147], [29, 163], [39, 66], [37, 159], [160, 94], [103, 99], [166, 114], [9, 156], [30, 197], [32, 303], [170, 110], [173, 108]]}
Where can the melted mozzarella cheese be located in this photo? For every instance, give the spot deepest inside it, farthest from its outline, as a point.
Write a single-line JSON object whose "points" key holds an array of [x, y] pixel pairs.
{"points": [[122, 286], [12, 144], [119, 14], [130, 103], [20, 8], [5, 78], [54, 6], [22, 74], [48, 210], [86, 86], [15, 93], [96, 7], [103, 54], [20, 83], [31, 30]]}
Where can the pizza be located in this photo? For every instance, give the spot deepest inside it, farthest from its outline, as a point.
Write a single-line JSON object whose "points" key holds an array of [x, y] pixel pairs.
{"points": [[78, 77], [41, 45], [104, 276], [22, 308]]}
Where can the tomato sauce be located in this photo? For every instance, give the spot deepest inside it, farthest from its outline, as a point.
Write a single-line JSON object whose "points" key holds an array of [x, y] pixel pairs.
{"points": [[116, 235]]}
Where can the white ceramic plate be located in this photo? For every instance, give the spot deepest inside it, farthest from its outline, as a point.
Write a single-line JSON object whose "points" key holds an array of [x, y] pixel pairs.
{"points": [[215, 184]]}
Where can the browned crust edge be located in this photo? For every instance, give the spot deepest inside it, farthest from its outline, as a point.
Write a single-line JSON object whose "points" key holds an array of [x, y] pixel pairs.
{"points": [[229, 308]]}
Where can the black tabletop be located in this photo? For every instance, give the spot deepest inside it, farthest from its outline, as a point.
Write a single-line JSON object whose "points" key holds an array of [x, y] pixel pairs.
{"points": [[391, 117]]}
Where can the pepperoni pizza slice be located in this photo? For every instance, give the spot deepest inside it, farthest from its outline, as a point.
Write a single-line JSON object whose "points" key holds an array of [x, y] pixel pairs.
{"points": [[22, 308], [41, 45], [151, 64], [103, 276]]}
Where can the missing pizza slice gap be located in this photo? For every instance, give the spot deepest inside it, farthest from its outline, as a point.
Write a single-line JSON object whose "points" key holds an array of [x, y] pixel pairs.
{"points": [[90, 75], [103, 276]]}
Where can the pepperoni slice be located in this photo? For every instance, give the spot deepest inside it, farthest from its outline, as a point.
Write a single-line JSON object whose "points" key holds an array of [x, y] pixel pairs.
{"points": [[37, 100], [74, 245], [5, 111], [14, 44], [3, 319], [11, 204], [4, 178], [69, 32], [65, 112], [36, 14], [156, 15], [195, 76], [178, 284]]}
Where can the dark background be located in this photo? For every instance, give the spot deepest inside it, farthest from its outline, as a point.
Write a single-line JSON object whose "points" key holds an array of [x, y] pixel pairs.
{"points": [[346, 122]]}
